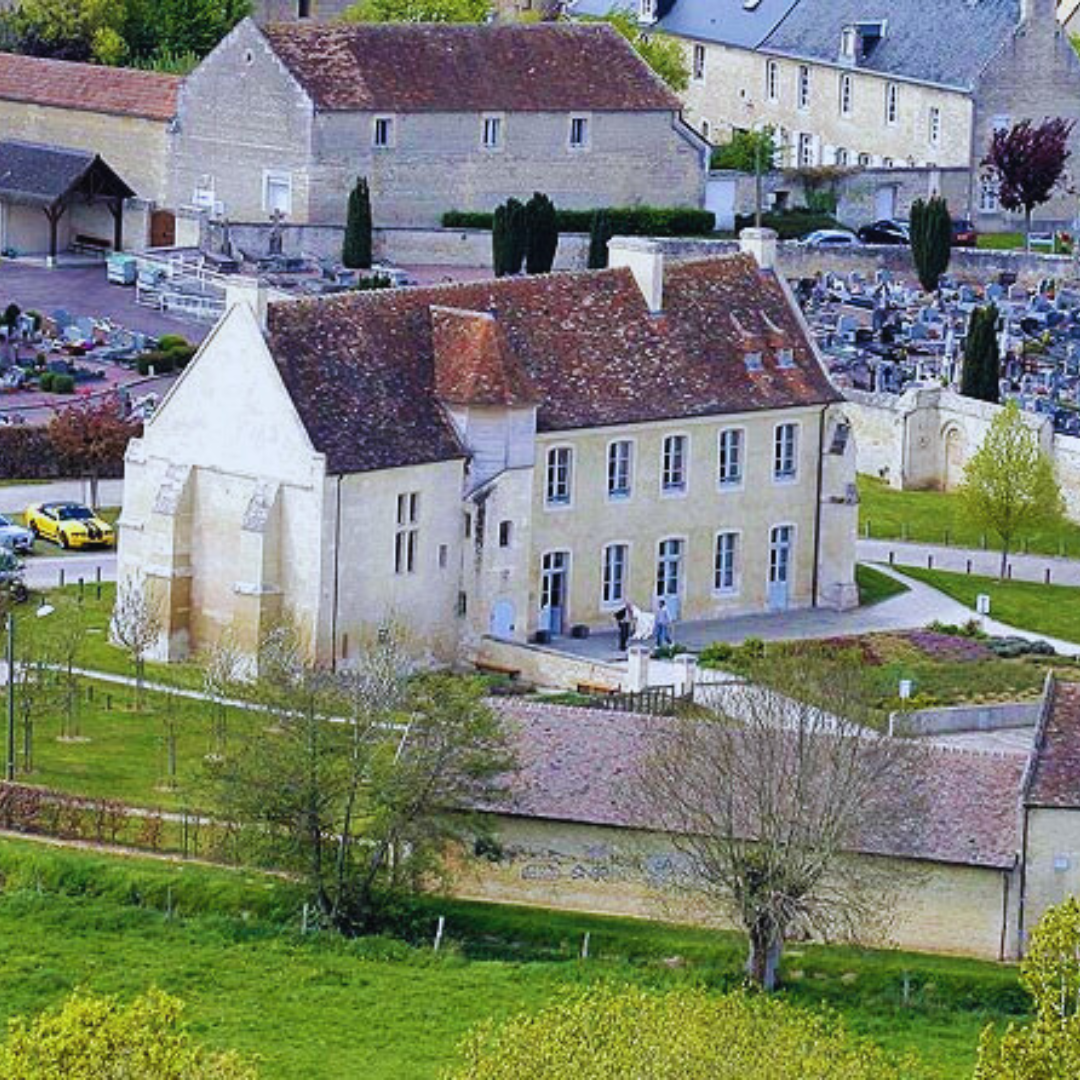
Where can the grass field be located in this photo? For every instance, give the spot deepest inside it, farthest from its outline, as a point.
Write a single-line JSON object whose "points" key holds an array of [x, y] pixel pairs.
{"points": [[1043, 609], [935, 517], [874, 586], [320, 1008]]}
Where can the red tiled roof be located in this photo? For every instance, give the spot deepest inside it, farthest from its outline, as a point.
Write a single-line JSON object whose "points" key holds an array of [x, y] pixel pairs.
{"points": [[1055, 774], [447, 68], [580, 765], [361, 368], [474, 364], [88, 87]]}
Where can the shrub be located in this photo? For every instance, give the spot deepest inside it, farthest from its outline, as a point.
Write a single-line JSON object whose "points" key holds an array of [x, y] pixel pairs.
{"points": [[752, 649], [63, 384], [161, 362], [623, 221], [45, 382], [790, 224], [719, 652], [169, 342]]}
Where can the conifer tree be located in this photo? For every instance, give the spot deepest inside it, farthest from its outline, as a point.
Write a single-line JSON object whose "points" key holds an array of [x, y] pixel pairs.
{"points": [[356, 249], [599, 234], [931, 240], [982, 357], [541, 233]]}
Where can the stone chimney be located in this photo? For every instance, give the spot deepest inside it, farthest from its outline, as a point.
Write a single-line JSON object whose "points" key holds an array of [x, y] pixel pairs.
{"points": [[250, 291], [645, 260], [762, 244]]}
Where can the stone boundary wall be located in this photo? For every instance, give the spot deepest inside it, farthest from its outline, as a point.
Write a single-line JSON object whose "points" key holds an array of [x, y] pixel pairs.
{"points": [[547, 668], [1012, 714]]}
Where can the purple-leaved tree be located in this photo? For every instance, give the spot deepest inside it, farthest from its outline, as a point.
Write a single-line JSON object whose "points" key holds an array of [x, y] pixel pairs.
{"points": [[1027, 162]]}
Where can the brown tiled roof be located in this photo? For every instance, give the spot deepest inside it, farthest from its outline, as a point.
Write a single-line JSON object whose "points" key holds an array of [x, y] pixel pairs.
{"points": [[474, 364], [1055, 772], [444, 68], [580, 765], [361, 367], [88, 87]]}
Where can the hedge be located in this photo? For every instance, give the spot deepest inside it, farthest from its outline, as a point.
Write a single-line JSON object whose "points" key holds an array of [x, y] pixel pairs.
{"points": [[26, 452], [791, 224], [625, 220]]}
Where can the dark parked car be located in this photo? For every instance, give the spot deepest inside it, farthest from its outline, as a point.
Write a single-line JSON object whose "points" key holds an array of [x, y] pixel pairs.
{"points": [[963, 233], [885, 232]]}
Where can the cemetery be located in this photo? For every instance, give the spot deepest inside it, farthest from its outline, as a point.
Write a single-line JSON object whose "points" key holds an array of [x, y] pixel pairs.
{"points": [[883, 334]]}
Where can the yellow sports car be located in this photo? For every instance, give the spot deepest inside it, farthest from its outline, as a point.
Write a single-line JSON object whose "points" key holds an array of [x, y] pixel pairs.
{"points": [[71, 525]]}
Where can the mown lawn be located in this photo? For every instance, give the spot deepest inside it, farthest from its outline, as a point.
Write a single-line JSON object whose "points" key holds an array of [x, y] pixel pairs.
{"points": [[935, 517], [874, 586], [1027, 605], [319, 1008]]}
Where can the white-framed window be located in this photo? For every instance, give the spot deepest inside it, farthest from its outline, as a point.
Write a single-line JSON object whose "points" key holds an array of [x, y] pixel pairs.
{"points": [[786, 452], [803, 93], [772, 80], [407, 533], [988, 196], [864, 161], [892, 103], [849, 40], [669, 560], [934, 130], [842, 156], [620, 463], [731, 457], [673, 466], [560, 467], [806, 150], [616, 562], [277, 192], [1000, 123], [886, 162], [699, 62], [647, 11], [725, 563], [847, 93], [781, 548], [579, 132], [382, 132], [506, 533], [491, 132]]}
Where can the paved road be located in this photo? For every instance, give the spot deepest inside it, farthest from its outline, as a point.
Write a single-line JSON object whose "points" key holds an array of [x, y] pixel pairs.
{"points": [[44, 571], [983, 563], [15, 498]]}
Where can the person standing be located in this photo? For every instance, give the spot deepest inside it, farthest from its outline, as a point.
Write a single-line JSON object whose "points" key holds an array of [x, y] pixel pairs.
{"points": [[663, 625], [624, 620]]}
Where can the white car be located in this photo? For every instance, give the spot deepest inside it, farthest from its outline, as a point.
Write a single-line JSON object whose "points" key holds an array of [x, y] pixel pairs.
{"points": [[14, 537], [830, 238]]}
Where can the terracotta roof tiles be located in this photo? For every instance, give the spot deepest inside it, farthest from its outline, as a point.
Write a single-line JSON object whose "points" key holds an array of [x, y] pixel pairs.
{"points": [[436, 67], [88, 87], [1055, 774]]}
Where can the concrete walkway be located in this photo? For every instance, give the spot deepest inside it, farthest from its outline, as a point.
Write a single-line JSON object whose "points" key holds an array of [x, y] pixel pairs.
{"points": [[15, 498], [910, 611], [982, 563]]}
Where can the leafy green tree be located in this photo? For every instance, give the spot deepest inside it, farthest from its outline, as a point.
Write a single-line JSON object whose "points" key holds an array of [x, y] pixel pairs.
{"points": [[981, 375], [71, 29], [419, 11], [356, 247], [747, 152], [663, 54], [1009, 486], [607, 1033], [931, 240], [195, 26], [600, 232], [541, 234], [362, 806], [98, 1038], [1047, 1048]]}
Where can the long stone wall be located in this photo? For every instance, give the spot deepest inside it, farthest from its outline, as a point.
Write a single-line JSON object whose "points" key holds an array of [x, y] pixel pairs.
{"points": [[546, 668]]}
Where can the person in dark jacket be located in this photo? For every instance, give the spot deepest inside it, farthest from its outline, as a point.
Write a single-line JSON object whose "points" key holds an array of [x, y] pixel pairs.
{"points": [[624, 620]]}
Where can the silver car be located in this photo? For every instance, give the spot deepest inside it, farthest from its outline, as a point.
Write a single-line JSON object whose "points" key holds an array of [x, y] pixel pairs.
{"points": [[14, 537]]}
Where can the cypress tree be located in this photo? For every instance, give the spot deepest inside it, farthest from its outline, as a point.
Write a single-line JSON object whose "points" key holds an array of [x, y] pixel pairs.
{"points": [[356, 248], [517, 235], [931, 240], [542, 234], [982, 358], [499, 241], [599, 235]]}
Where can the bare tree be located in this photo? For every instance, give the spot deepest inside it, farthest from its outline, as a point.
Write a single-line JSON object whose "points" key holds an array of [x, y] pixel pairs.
{"points": [[137, 625], [225, 667], [767, 798], [66, 634]]}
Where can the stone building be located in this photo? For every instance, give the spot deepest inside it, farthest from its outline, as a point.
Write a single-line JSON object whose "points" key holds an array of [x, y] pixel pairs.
{"points": [[498, 458], [121, 115], [436, 117], [996, 843], [855, 83], [276, 11]]}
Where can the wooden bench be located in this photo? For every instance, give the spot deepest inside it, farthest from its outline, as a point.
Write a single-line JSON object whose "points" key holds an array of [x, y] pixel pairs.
{"points": [[488, 668], [91, 245], [595, 689]]}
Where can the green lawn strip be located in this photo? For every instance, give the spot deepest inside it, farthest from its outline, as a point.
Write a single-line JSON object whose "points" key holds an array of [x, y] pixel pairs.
{"points": [[1026, 605], [874, 586], [320, 1007], [936, 517]]}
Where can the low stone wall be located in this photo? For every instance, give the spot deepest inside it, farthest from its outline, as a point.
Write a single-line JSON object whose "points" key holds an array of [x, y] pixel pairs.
{"points": [[463, 247], [547, 668], [1011, 714]]}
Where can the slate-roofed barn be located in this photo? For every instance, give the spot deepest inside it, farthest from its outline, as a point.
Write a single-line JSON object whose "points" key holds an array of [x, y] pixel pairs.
{"points": [[438, 117], [121, 115], [506, 457]]}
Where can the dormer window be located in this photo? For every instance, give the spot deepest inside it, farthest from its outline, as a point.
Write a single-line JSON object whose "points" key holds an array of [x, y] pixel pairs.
{"points": [[785, 359], [849, 43], [753, 361]]}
